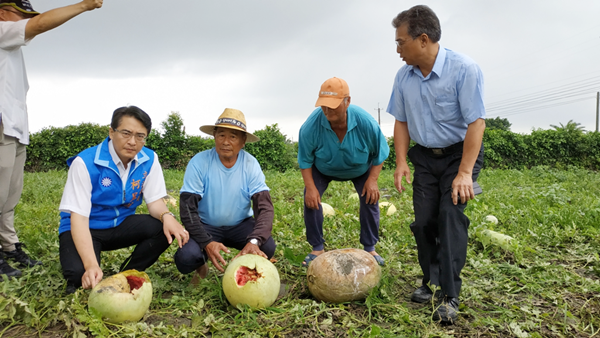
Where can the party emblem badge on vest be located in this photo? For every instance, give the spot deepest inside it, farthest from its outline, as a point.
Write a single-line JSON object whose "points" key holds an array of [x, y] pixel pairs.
{"points": [[106, 182]]}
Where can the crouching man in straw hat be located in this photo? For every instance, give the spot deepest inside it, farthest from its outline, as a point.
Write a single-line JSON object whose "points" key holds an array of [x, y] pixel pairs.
{"points": [[104, 187], [224, 200], [341, 142]]}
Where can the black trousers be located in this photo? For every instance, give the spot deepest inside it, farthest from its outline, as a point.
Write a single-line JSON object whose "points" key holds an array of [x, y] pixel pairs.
{"points": [[144, 231], [440, 227], [191, 256]]}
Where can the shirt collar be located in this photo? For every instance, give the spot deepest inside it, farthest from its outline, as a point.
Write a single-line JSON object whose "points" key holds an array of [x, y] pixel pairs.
{"points": [[350, 119], [438, 65], [115, 157], [440, 60]]}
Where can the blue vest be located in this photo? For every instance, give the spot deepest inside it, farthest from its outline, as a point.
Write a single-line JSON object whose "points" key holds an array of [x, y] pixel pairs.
{"points": [[111, 202]]}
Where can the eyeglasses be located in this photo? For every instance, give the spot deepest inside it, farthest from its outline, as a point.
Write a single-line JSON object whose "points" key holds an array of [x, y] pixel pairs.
{"points": [[126, 134]]}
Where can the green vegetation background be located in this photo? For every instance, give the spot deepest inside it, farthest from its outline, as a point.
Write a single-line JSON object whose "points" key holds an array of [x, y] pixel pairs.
{"points": [[560, 147], [546, 285]]}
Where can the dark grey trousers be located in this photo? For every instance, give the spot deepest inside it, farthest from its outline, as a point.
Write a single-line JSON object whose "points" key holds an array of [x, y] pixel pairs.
{"points": [[440, 227]]}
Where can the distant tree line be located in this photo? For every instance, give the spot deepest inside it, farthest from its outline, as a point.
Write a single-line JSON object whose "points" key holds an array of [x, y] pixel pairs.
{"points": [[51, 147], [560, 147]]}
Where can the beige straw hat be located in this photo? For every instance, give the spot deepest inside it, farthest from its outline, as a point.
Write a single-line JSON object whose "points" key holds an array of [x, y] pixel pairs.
{"points": [[232, 119]]}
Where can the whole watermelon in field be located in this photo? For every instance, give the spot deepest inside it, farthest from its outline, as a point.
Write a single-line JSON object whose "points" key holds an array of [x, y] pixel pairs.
{"points": [[343, 275], [251, 280]]}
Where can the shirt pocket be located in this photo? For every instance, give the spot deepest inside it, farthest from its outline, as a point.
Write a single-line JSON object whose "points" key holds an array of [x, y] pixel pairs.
{"points": [[358, 156], [446, 108]]}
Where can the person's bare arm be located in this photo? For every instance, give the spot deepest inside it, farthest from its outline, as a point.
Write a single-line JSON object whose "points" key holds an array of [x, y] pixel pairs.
{"points": [[171, 227], [401, 142], [312, 198], [80, 232], [58, 16], [463, 183]]}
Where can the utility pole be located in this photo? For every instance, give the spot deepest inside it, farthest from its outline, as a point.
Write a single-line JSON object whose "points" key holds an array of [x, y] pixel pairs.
{"points": [[597, 109], [379, 116]]}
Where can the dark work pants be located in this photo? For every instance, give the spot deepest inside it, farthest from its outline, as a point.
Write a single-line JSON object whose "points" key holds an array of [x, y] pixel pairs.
{"points": [[191, 256], [144, 231], [369, 213], [440, 227]]}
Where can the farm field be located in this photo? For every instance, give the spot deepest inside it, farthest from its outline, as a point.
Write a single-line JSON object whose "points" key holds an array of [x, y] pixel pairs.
{"points": [[547, 285]]}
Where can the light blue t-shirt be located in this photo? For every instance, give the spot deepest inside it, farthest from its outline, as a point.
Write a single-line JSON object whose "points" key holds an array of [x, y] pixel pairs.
{"points": [[439, 108], [364, 144], [226, 192]]}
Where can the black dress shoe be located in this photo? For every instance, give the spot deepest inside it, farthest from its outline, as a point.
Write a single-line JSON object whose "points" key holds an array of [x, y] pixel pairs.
{"points": [[447, 310], [422, 295]]}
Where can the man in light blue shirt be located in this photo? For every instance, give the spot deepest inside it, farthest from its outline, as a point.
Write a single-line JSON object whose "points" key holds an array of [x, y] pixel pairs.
{"points": [[224, 200], [437, 100], [340, 141]]}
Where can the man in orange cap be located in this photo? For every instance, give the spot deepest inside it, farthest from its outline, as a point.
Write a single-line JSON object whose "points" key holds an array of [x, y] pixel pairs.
{"points": [[341, 142], [19, 23], [224, 200]]}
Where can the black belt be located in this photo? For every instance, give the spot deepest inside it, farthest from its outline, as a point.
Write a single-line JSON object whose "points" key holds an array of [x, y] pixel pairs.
{"points": [[443, 151]]}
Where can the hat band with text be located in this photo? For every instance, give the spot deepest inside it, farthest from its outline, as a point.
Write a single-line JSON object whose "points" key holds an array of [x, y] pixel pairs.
{"points": [[233, 122]]}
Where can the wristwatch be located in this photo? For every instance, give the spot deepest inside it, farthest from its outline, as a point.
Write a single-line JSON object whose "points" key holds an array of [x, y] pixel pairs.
{"points": [[253, 241]]}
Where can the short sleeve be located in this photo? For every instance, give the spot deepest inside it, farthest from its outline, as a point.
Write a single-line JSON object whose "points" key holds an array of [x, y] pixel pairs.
{"points": [[306, 143], [77, 195], [470, 93], [12, 34], [192, 180], [154, 187], [396, 105], [380, 145]]}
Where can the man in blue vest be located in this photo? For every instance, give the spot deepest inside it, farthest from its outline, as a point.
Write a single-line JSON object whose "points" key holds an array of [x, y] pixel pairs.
{"points": [[105, 185], [437, 100]]}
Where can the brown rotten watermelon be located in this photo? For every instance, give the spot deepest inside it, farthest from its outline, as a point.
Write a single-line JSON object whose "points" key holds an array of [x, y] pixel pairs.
{"points": [[343, 275]]}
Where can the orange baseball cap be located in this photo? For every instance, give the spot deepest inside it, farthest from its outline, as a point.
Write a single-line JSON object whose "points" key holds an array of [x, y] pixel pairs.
{"points": [[332, 93]]}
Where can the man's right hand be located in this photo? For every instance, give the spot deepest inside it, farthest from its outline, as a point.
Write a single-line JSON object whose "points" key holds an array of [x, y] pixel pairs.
{"points": [[91, 277], [312, 198], [213, 250], [89, 5], [401, 171]]}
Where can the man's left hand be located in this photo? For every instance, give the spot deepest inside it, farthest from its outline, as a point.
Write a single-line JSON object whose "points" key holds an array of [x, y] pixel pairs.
{"points": [[251, 249], [462, 186], [172, 228], [372, 190]]}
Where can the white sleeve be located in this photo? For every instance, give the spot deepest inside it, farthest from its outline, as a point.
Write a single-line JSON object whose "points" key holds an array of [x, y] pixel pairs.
{"points": [[77, 195], [12, 34], [154, 186]]}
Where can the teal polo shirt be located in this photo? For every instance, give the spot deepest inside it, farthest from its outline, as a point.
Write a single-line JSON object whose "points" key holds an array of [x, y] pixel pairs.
{"points": [[364, 144]]}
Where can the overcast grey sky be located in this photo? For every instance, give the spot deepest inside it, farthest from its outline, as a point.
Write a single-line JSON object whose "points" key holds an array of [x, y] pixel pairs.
{"points": [[268, 58]]}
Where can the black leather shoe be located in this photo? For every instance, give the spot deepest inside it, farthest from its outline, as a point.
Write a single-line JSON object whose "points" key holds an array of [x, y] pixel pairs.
{"points": [[19, 256], [422, 295], [447, 310], [8, 270]]}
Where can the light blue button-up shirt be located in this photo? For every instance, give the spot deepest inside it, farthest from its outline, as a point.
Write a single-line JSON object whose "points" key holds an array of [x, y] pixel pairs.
{"points": [[438, 108], [364, 144]]}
